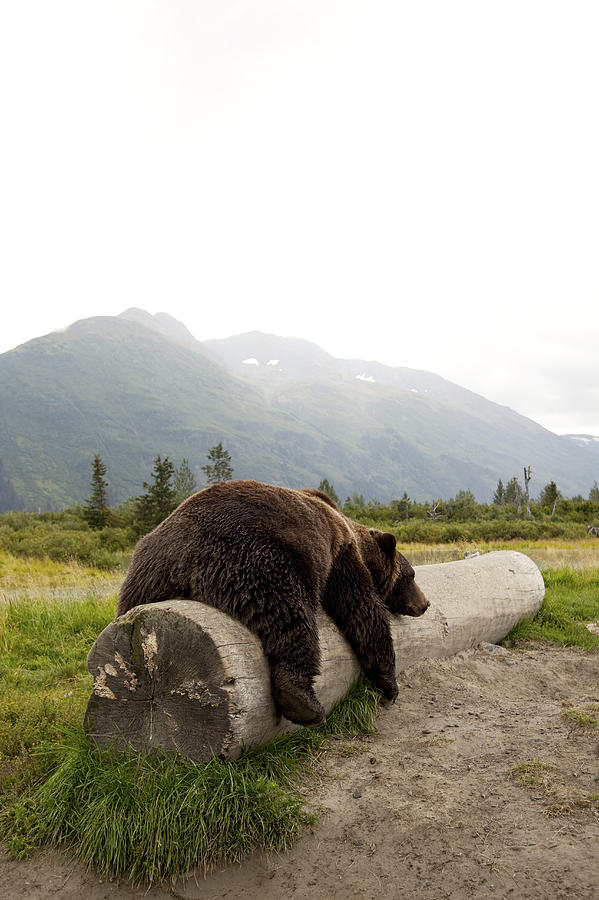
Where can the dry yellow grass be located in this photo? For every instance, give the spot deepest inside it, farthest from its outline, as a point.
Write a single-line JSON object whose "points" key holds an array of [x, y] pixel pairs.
{"points": [[30, 577], [553, 554]]}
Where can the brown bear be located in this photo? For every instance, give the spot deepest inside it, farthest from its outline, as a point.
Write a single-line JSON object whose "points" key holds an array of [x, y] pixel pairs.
{"points": [[270, 556]]}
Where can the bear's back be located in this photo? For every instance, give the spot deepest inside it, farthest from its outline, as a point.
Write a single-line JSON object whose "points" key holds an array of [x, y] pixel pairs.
{"points": [[275, 511]]}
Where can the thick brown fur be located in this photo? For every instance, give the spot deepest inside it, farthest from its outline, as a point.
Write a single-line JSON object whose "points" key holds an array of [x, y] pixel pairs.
{"points": [[270, 557]]}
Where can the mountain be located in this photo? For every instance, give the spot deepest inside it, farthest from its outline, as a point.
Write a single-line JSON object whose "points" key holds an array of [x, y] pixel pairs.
{"points": [[434, 436], [113, 386], [163, 324], [133, 386]]}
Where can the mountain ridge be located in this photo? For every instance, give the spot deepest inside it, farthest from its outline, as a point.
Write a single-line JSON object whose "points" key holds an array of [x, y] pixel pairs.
{"points": [[131, 386]]}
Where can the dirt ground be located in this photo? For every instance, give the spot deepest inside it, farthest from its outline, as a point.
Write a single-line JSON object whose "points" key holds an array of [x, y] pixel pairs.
{"points": [[429, 807]]}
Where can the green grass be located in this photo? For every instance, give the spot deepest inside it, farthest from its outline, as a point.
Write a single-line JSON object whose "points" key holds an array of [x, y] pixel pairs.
{"points": [[571, 601], [44, 683], [157, 816], [147, 816]]}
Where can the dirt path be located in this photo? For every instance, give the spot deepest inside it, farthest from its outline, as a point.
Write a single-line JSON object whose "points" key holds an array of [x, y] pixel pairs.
{"points": [[427, 807]]}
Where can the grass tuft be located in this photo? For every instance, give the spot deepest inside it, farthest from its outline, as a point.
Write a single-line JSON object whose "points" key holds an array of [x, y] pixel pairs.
{"points": [[584, 718], [157, 816], [533, 772], [147, 816]]}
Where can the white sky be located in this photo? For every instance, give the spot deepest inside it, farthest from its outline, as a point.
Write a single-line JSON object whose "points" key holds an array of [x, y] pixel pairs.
{"points": [[413, 182]]}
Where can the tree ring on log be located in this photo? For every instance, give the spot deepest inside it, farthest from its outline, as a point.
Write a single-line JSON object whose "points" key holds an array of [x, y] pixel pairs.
{"points": [[165, 681]]}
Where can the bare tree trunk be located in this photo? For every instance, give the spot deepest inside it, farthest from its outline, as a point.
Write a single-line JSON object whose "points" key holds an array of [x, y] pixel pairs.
{"points": [[434, 512], [527, 476], [181, 675]]}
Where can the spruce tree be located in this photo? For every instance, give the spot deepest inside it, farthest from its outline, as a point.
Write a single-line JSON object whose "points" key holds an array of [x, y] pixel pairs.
{"points": [[159, 499], [327, 488], [96, 509], [185, 482], [499, 495], [219, 466], [594, 493], [513, 494], [402, 507], [550, 497]]}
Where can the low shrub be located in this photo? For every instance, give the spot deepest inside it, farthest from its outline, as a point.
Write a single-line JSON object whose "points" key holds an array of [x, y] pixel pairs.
{"points": [[92, 548]]}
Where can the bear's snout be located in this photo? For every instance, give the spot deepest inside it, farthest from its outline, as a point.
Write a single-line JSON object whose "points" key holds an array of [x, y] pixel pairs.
{"points": [[415, 603], [407, 600]]}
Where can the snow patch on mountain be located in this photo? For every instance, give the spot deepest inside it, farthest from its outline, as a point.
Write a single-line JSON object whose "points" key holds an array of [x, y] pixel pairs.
{"points": [[251, 361], [583, 440], [365, 377]]}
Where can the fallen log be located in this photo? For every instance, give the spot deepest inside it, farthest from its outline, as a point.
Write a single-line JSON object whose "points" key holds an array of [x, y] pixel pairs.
{"points": [[181, 675]]}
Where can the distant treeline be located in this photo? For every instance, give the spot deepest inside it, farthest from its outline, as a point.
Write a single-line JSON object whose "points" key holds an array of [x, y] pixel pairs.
{"points": [[102, 536], [461, 518], [69, 535]]}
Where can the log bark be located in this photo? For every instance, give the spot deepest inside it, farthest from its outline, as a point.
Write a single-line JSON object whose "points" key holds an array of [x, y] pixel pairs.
{"points": [[181, 675]]}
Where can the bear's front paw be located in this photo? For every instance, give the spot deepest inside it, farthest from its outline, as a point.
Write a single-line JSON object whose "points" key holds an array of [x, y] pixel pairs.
{"points": [[387, 685], [295, 701], [299, 707]]}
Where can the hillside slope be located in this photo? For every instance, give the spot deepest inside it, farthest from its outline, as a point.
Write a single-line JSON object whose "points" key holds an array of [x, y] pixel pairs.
{"points": [[435, 435], [114, 387], [133, 386]]}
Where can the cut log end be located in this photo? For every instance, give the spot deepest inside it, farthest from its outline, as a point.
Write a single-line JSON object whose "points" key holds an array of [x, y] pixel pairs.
{"points": [[151, 669], [183, 676]]}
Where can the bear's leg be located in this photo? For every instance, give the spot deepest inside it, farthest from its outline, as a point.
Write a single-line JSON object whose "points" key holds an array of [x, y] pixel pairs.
{"points": [[276, 605], [359, 613], [289, 635]]}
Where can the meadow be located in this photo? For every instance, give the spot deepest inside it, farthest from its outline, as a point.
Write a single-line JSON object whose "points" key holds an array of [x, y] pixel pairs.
{"points": [[135, 815], [556, 553]]}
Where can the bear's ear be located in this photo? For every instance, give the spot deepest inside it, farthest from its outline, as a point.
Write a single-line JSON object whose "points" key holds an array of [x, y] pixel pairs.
{"points": [[387, 543]]}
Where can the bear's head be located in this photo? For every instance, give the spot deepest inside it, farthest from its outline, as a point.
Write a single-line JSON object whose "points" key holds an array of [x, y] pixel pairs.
{"points": [[406, 598], [393, 577]]}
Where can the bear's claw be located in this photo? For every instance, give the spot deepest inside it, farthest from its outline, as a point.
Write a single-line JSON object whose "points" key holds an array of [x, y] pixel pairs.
{"points": [[296, 703]]}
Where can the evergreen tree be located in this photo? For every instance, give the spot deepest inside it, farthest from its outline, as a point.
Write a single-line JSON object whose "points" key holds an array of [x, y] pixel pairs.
{"points": [[219, 467], [548, 494], [594, 493], [550, 497], [462, 507], [96, 509], [513, 494], [185, 482], [499, 495], [159, 499], [402, 507], [327, 488]]}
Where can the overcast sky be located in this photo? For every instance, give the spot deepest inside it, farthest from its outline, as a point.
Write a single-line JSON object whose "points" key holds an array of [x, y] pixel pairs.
{"points": [[413, 182]]}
